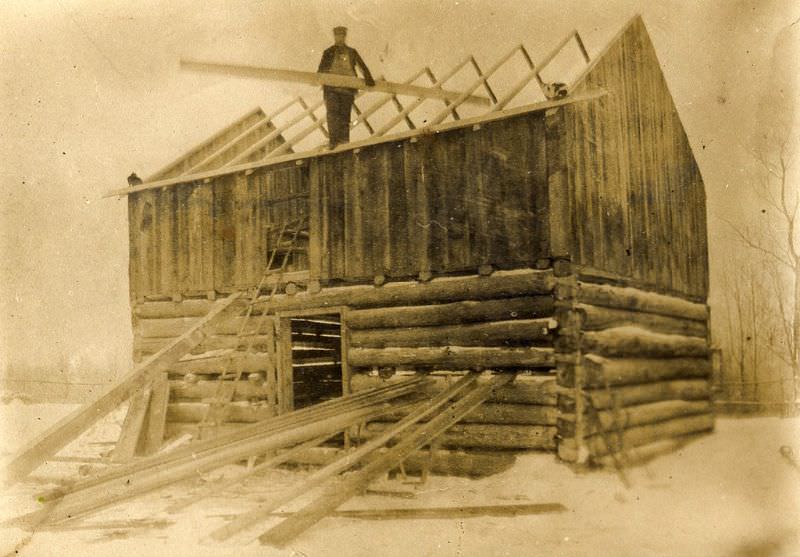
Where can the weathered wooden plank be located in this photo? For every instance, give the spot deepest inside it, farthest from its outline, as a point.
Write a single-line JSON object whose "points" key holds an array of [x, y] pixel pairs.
{"points": [[317, 208], [205, 390], [242, 412], [621, 396], [633, 299], [432, 407], [285, 389], [357, 481], [229, 363], [501, 284], [600, 371], [501, 414], [211, 343], [442, 461], [71, 426], [641, 435], [131, 433], [156, 414]]}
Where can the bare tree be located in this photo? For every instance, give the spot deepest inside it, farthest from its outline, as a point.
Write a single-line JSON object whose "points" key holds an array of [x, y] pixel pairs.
{"points": [[776, 239]]}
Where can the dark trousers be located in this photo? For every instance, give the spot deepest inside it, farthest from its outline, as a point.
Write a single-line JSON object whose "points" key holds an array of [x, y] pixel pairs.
{"points": [[338, 107]]}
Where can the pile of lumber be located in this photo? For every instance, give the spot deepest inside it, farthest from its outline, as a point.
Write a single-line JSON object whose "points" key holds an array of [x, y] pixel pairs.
{"points": [[280, 438], [406, 436], [292, 429]]}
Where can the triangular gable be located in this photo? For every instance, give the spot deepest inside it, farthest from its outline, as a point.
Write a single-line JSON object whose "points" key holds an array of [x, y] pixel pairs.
{"points": [[637, 193]]}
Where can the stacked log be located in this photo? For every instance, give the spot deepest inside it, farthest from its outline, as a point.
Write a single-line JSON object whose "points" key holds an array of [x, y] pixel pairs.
{"points": [[639, 375], [504, 320], [500, 321]]}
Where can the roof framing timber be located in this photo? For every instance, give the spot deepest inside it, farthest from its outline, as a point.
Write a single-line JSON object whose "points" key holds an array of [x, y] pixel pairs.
{"points": [[257, 154], [357, 145]]}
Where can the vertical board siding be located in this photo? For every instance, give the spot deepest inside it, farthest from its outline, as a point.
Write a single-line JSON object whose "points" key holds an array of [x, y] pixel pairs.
{"points": [[448, 202], [193, 239], [638, 197]]}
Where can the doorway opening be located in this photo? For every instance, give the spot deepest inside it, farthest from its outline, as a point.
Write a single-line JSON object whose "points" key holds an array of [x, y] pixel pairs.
{"points": [[316, 358]]}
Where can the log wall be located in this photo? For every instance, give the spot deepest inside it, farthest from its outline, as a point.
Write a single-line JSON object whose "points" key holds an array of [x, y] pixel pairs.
{"points": [[634, 371], [503, 322]]}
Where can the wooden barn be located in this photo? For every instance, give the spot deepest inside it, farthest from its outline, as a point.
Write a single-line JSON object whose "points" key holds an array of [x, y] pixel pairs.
{"points": [[533, 277], [563, 241]]}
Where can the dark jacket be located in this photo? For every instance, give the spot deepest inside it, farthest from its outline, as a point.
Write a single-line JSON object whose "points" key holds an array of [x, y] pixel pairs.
{"points": [[355, 60]]}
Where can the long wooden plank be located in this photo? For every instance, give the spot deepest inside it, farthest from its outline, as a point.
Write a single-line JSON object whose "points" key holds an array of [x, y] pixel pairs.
{"points": [[377, 395], [83, 502], [276, 460], [128, 442], [157, 415], [418, 513], [354, 145], [331, 80], [346, 462], [57, 436], [290, 528]]}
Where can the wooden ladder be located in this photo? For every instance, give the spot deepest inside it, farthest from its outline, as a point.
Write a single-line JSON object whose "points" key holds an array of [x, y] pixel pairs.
{"points": [[225, 392]]}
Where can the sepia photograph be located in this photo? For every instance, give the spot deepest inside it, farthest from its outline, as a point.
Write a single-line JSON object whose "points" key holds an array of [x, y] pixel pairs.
{"points": [[310, 278]]}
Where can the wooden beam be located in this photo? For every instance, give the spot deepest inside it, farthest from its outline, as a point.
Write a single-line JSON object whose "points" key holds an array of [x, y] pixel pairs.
{"points": [[374, 140], [634, 299], [272, 462], [331, 80], [83, 502], [437, 84], [345, 463], [157, 415], [60, 434], [633, 341], [290, 528], [130, 435]]}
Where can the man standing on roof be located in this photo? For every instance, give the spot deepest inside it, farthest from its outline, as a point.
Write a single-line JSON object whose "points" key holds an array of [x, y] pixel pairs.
{"points": [[342, 60]]}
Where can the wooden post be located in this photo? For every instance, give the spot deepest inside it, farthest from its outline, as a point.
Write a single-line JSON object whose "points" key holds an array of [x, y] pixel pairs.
{"points": [[285, 389], [157, 415], [130, 435]]}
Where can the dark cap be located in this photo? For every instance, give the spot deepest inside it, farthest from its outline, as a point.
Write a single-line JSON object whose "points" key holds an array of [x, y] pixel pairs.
{"points": [[340, 30]]}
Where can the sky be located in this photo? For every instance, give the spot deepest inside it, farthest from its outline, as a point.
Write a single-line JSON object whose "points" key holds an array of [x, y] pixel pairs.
{"points": [[91, 91]]}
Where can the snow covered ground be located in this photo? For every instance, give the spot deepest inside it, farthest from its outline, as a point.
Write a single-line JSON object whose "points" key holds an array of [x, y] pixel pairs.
{"points": [[730, 493]]}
